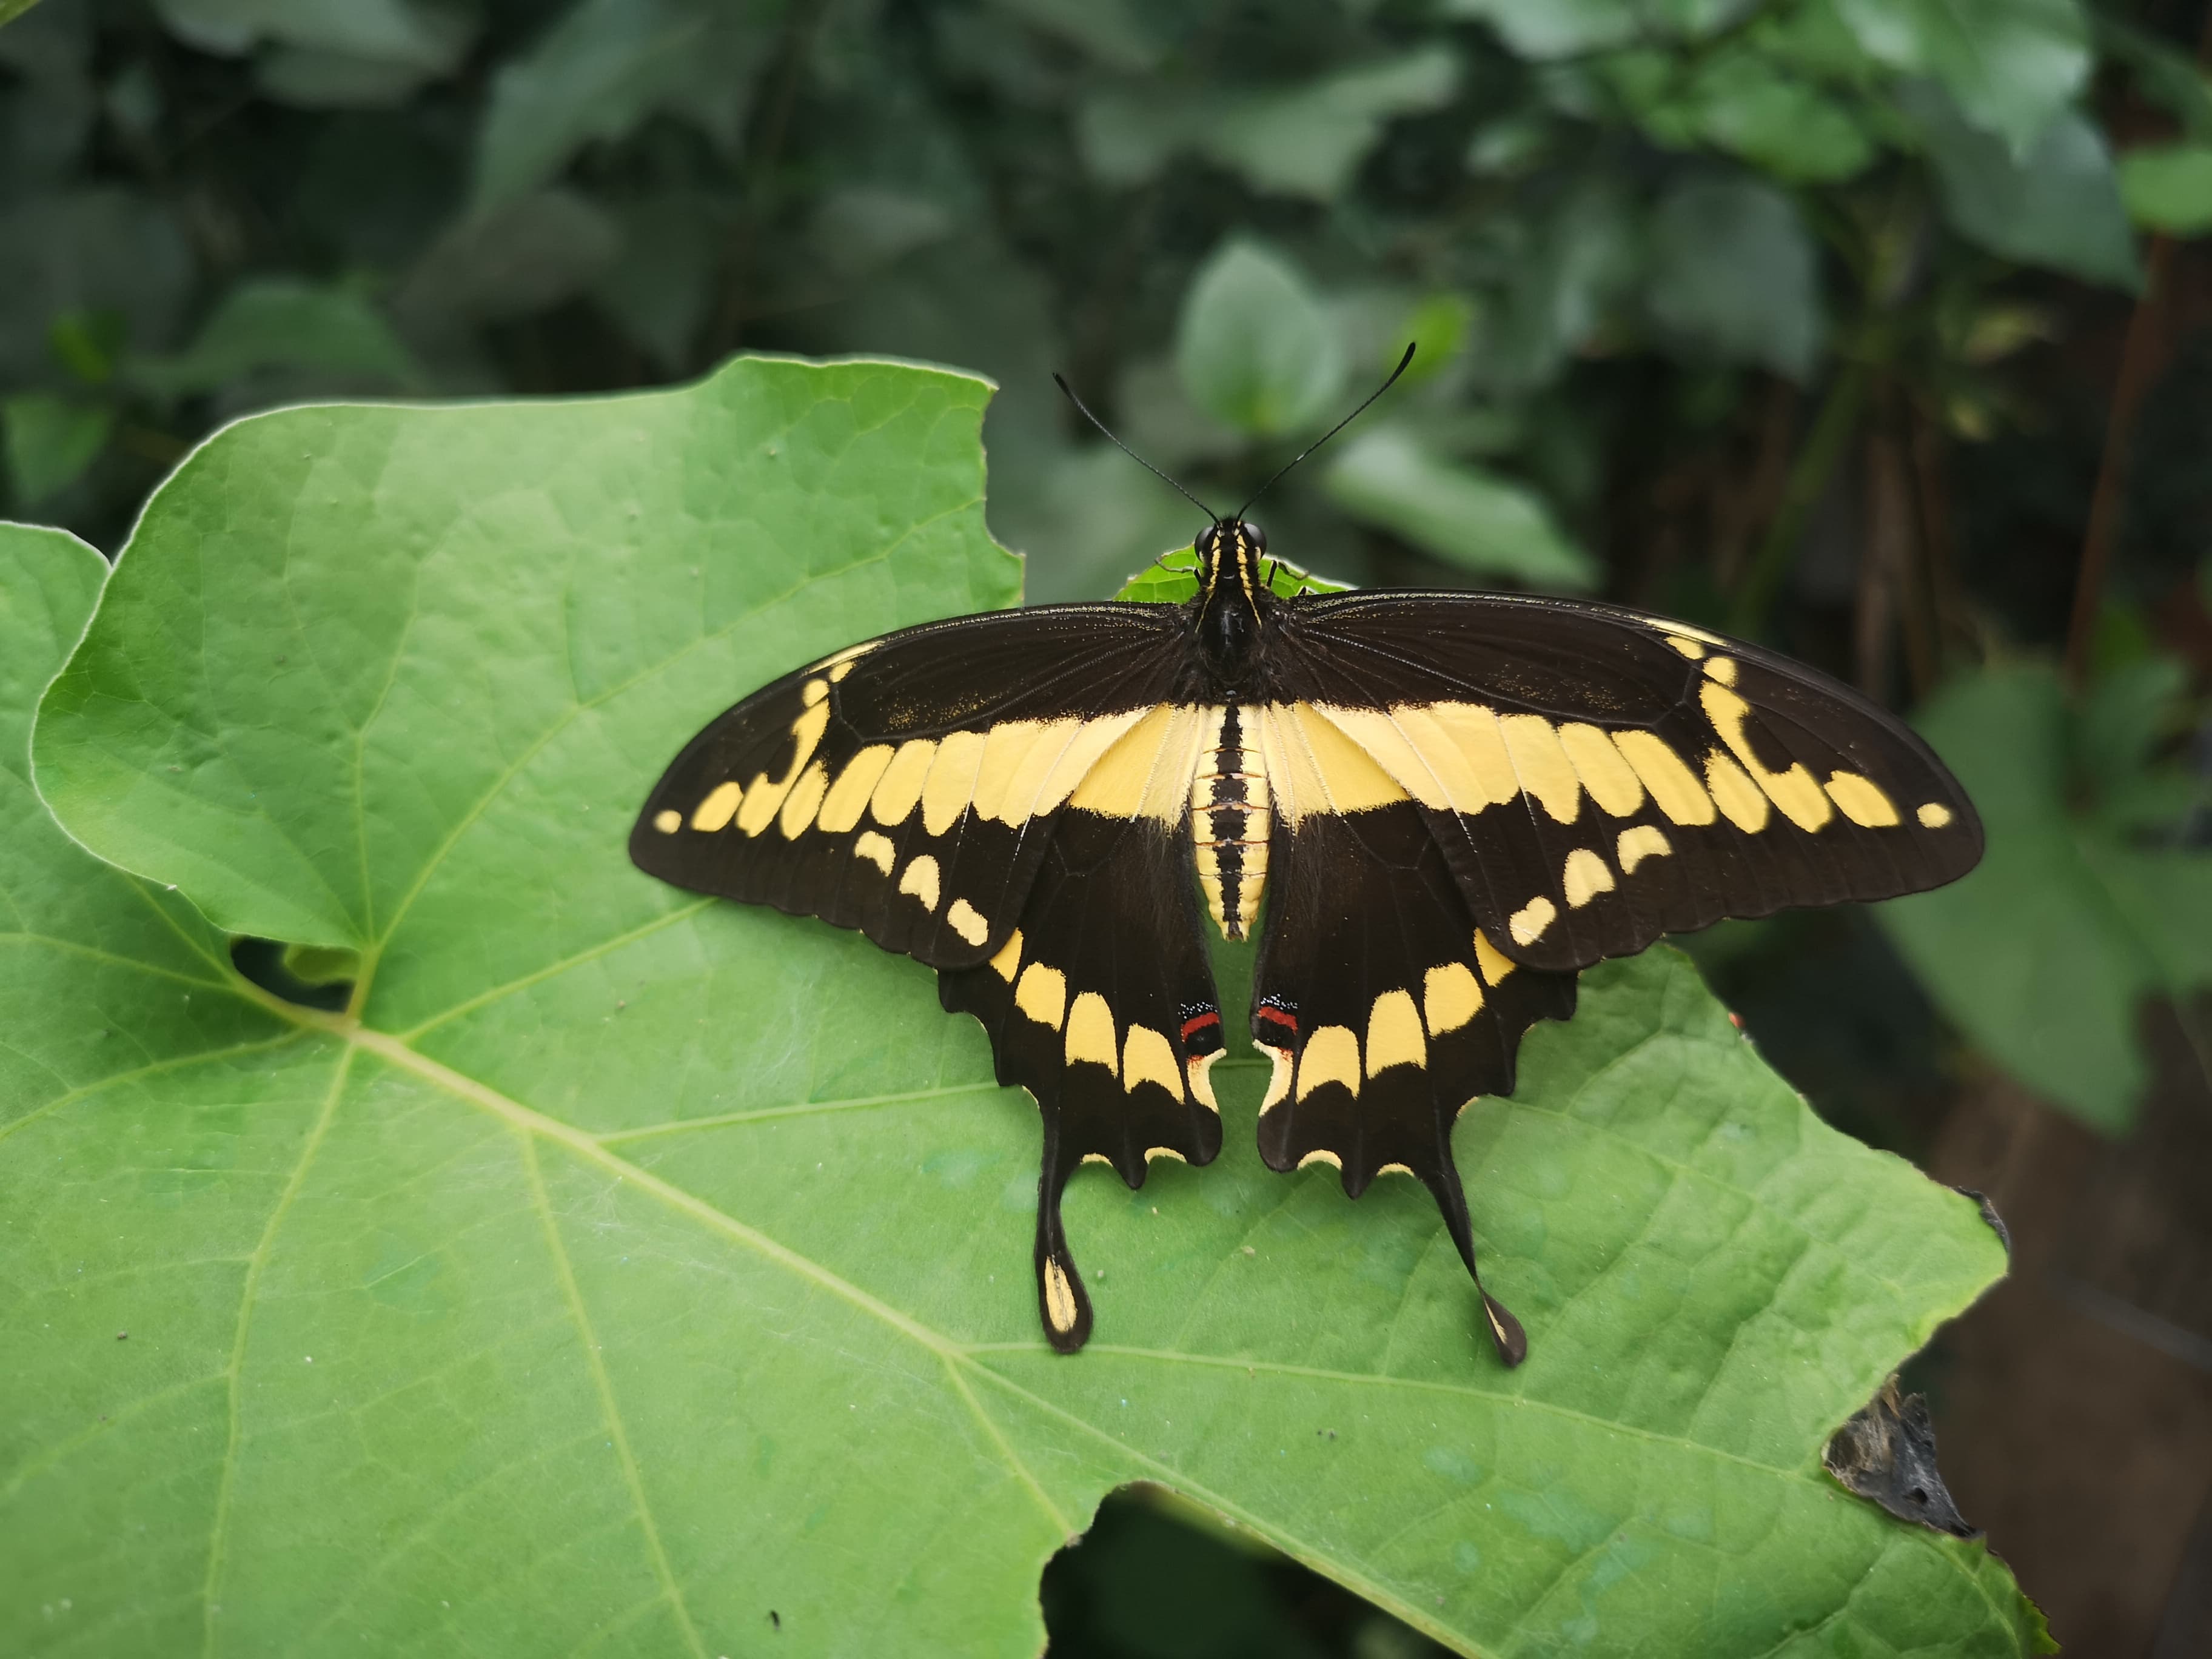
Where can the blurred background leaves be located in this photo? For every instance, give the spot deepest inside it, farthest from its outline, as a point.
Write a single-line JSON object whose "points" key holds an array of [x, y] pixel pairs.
{"points": [[1868, 327]]}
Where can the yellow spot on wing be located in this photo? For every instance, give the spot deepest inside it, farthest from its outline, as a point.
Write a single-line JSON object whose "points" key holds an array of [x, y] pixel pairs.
{"points": [[1449, 998], [845, 657], [1722, 669], [1584, 877], [1331, 1055], [1059, 1296], [920, 878], [1151, 1152], [1802, 800], [1739, 798], [1148, 1057], [839, 672], [877, 849], [1009, 959], [1148, 770], [813, 691], [1474, 731], [900, 787], [1638, 842], [668, 821], [952, 782], [1526, 925], [1201, 1086], [1285, 1066], [1061, 764], [1933, 815], [1689, 648], [1090, 1031], [1388, 737], [1611, 780], [1042, 994], [849, 796], [1494, 963], [1863, 801], [801, 804], [1673, 786], [1007, 748], [719, 808], [1313, 767], [1319, 1155], [1393, 1033], [965, 920], [764, 795], [1542, 765]]}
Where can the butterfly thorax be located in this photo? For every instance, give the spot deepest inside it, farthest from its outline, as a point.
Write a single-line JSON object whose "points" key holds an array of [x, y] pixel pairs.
{"points": [[1231, 601]]}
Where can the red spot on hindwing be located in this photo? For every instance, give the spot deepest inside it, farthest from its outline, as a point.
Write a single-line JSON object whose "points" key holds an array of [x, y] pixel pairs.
{"points": [[1198, 1023]]}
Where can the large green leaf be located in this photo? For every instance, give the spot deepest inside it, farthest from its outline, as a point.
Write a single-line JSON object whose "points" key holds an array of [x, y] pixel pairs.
{"points": [[2059, 207], [1735, 274], [1254, 346], [1464, 515], [625, 1268], [2013, 66], [2045, 953]]}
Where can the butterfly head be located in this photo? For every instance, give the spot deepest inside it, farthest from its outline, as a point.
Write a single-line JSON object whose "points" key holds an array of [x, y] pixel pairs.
{"points": [[1229, 554]]}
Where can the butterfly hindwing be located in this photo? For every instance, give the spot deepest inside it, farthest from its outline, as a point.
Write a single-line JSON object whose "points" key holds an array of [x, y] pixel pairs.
{"points": [[1101, 1005], [1384, 1010], [1597, 777], [906, 786]]}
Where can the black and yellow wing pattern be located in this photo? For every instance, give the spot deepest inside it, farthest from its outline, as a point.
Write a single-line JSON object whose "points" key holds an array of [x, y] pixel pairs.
{"points": [[1451, 802]]}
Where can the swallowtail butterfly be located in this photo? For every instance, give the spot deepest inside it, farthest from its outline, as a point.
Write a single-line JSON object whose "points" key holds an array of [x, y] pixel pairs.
{"points": [[1452, 802]]}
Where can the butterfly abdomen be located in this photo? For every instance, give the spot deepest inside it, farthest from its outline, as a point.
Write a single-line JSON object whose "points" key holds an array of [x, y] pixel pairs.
{"points": [[1229, 813]]}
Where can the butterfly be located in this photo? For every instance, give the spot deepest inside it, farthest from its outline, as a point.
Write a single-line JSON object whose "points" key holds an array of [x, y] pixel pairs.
{"points": [[1451, 802]]}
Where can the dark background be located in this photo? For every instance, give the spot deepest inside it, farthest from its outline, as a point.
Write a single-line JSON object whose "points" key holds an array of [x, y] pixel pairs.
{"points": [[1800, 319]]}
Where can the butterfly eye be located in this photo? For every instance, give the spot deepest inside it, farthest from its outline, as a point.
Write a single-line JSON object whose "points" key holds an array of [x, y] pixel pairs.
{"points": [[1257, 537]]}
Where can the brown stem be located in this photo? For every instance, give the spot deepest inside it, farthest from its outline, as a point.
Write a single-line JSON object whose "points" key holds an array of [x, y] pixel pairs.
{"points": [[1890, 545], [2140, 358]]}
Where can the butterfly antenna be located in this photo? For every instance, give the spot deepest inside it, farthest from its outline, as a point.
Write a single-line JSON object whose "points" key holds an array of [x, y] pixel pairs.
{"points": [[1210, 513], [1325, 436]]}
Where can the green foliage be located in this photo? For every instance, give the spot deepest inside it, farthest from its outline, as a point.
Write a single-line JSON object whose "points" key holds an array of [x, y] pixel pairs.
{"points": [[1465, 516], [623, 1268], [1254, 349], [2169, 187], [50, 441], [422, 197], [2087, 900]]}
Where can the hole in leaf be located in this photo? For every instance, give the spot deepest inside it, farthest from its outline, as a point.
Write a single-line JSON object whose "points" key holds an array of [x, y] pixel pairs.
{"points": [[312, 976], [1157, 1577]]}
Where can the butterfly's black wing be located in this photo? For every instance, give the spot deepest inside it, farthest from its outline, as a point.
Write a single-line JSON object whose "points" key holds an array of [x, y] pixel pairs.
{"points": [[1385, 1011], [1101, 1005], [1598, 777], [906, 786], [1002, 797], [1478, 794]]}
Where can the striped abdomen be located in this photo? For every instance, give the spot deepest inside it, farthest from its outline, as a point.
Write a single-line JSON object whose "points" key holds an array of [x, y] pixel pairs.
{"points": [[1229, 819]]}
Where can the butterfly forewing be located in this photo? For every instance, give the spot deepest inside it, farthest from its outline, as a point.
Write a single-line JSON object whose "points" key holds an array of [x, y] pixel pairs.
{"points": [[906, 785], [1597, 777]]}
